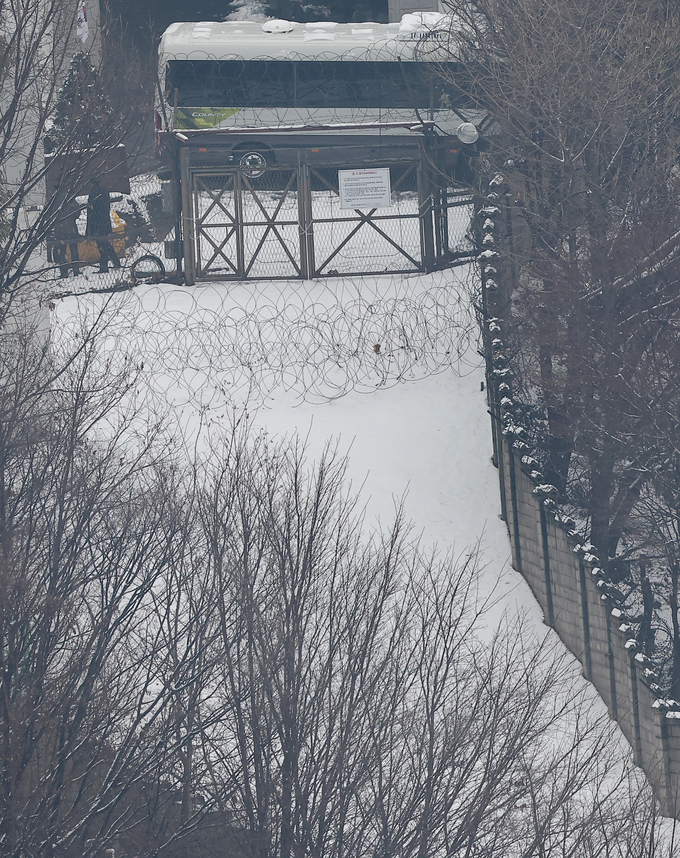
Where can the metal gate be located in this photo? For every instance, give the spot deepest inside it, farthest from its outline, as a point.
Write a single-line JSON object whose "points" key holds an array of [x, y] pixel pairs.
{"points": [[241, 231], [242, 223]]}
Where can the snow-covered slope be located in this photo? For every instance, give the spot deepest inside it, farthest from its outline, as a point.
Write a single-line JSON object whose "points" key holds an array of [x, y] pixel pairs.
{"points": [[387, 367]]}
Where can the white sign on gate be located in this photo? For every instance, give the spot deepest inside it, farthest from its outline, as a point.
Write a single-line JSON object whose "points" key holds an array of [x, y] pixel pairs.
{"points": [[365, 189]]}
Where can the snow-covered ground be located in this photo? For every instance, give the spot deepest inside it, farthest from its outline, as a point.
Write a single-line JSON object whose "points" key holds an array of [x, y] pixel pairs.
{"points": [[386, 367]]}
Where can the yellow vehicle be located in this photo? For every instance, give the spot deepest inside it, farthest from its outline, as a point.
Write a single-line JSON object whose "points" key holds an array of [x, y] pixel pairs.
{"points": [[87, 247]]}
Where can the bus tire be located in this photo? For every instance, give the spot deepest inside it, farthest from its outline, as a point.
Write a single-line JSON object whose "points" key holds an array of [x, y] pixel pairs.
{"points": [[255, 159]]}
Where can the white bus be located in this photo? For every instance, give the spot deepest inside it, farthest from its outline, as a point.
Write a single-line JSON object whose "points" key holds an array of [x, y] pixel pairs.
{"points": [[256, 82]]}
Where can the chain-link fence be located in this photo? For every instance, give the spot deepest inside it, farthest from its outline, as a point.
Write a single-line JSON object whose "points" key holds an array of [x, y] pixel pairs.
{"points": [[244, 226], [243, 220], [240, 222], [142, 231]]}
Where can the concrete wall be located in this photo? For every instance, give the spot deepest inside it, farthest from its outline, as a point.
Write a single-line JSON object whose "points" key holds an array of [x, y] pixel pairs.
{"points": [[573, 592], [564, 574]]}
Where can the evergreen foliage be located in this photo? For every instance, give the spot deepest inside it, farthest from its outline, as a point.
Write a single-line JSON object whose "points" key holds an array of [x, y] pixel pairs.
{"points": [[83, 108]]}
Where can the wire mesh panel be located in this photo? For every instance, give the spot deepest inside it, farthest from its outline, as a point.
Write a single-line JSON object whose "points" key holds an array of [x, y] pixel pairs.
{"points": [[459, 214], [366, 241], [273, 220], [271, 230], [454, 210], [216, 219], [246, 224]]}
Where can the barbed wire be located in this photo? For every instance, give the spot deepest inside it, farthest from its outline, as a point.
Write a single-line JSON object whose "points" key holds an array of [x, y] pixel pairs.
{"points": [[208, 346]]}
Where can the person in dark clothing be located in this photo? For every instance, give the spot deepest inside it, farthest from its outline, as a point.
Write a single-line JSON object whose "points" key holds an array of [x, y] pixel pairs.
{"points": [[99, 225], [66, 235]]}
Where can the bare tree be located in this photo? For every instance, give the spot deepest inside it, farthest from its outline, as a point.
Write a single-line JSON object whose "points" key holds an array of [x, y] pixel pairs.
{"points": [[587, 99], [36, 45], [222, 646], [366, 710], [91, 529]]}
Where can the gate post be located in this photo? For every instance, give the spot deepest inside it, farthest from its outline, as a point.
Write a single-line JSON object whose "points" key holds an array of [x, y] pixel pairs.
{"points": [[187, 217], [425, 210], [240, 231], [441, 207], [305, 226]]}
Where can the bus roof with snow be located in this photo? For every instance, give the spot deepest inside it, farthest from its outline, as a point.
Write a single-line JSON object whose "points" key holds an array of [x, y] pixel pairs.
{"points": [[247, 77]]}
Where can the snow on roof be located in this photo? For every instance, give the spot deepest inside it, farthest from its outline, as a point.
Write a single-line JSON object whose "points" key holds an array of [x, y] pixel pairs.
{"points": [[415, 21], [418, 36]]}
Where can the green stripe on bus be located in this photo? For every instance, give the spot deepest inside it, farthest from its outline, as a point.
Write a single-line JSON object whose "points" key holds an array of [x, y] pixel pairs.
{"points": [[203, 117]]}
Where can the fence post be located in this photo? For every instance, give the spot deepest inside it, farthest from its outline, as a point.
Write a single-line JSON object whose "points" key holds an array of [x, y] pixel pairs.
{"points": [[515, 512], [612, 667], [637, 747], [238, 215], [305, 225], [425, 211], [441, 208], [176, 185], [585, 619], [546, 565], [500, 459], [671, 805], [187, 217]]}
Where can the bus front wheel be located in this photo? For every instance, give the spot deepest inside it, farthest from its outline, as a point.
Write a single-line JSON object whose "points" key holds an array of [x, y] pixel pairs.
{"points": [[254, 162]]}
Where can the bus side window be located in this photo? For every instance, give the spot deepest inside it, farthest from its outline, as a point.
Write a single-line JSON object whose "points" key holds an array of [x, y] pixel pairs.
{"points": [[361, 84], [335, 84], [197, 83], [404, 85], [257, 83], [311, 84]]}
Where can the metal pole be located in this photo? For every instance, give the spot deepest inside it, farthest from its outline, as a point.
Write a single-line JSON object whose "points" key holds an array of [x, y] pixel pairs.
{"points": [[425, 211], [175, 172], [187, 216], [238, 215], [305, 226]]}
